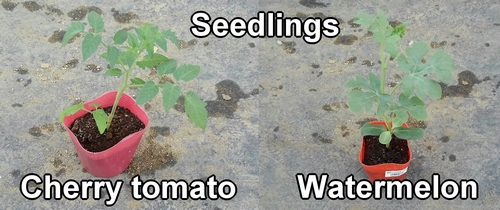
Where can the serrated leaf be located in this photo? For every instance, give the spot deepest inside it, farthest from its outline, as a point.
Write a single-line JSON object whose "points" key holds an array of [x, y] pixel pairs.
{"points": [[399, 30], [137, 81], [101, 119], [385, 137], [409, 133], [391, 45], [112, 55], [127, 58], [70, 111], [170, 35], [90, 44], [170, 94], [147, 92], [95, 21], [372, 130], [133, 41], [115, 72], [381, 19], [186, 72], [161, 42], [414, 105], [74, 29], [151, 60], [120, 37], [442, 65], [370, 93], [364, 19], [195, 110], [167, 67]]}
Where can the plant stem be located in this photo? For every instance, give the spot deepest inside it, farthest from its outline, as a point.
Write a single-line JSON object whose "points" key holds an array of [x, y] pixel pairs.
{"points": [[384, 67], [118, 96]]}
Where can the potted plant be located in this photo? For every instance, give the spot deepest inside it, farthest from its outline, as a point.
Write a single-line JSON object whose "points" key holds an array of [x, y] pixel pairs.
{"points": [[385, 152], [106, 131]]}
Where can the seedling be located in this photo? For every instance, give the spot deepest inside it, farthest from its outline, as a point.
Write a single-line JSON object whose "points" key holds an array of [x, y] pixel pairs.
{"points": [[415, 66], [131, 49]]}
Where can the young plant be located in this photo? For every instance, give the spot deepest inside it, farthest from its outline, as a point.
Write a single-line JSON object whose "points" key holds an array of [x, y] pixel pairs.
{"points": [[415, 85], [131, 49]]}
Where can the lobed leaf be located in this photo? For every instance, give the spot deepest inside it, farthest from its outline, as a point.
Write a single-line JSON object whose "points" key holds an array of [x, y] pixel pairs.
{"points": [[101, 119], [90, 44], [186, 72], [167, 67], [133, 41], [364, 19], [170, 35], [414, 105], [366, 93], [147, 92], [372, 130], [408, 133], [151, 60], [170, 94], [111, 55], [95, 21], [161, 42], [74, 29], [442, 65], [195, 110]]}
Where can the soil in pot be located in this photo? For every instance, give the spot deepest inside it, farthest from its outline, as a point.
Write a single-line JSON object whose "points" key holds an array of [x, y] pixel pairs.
{"points": [[377, 153], [123, 124]]}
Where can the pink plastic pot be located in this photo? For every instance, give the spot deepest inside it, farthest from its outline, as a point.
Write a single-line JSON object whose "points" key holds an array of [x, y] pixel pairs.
{"points": [[116, 159], [386, 171]]}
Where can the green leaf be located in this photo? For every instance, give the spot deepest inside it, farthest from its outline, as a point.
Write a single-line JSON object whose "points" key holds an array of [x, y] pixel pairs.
{"points": [[90, 44], [120, 37], [147, 92], [70, 111], [74, 29], [114, 72], [101, 119], [161, 42], [151, 60], [133, 41], [391, 45], [95, 21], [186, 72], [170, 35], [137, 81], [442, 65], [372, 130], [381, 20], [409, 133], [364, 19], [195, 110], [127, 58], [414, 105], [366, 93], [112, 55], [170, 94], [415, 71], [399, 30], [167, 67], [385, 137], [401, 117]]}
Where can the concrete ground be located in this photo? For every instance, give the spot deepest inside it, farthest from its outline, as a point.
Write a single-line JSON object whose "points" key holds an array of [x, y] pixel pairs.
{"points": [[286, 113]]}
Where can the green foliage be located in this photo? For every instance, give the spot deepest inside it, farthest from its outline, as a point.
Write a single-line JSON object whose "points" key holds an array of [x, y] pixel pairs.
{"points": [[417, 82], [131, 49]]}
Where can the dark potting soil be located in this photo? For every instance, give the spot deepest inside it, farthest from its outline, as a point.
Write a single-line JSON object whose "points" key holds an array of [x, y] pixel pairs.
{"points": [[377, 153], [123, 124]]}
